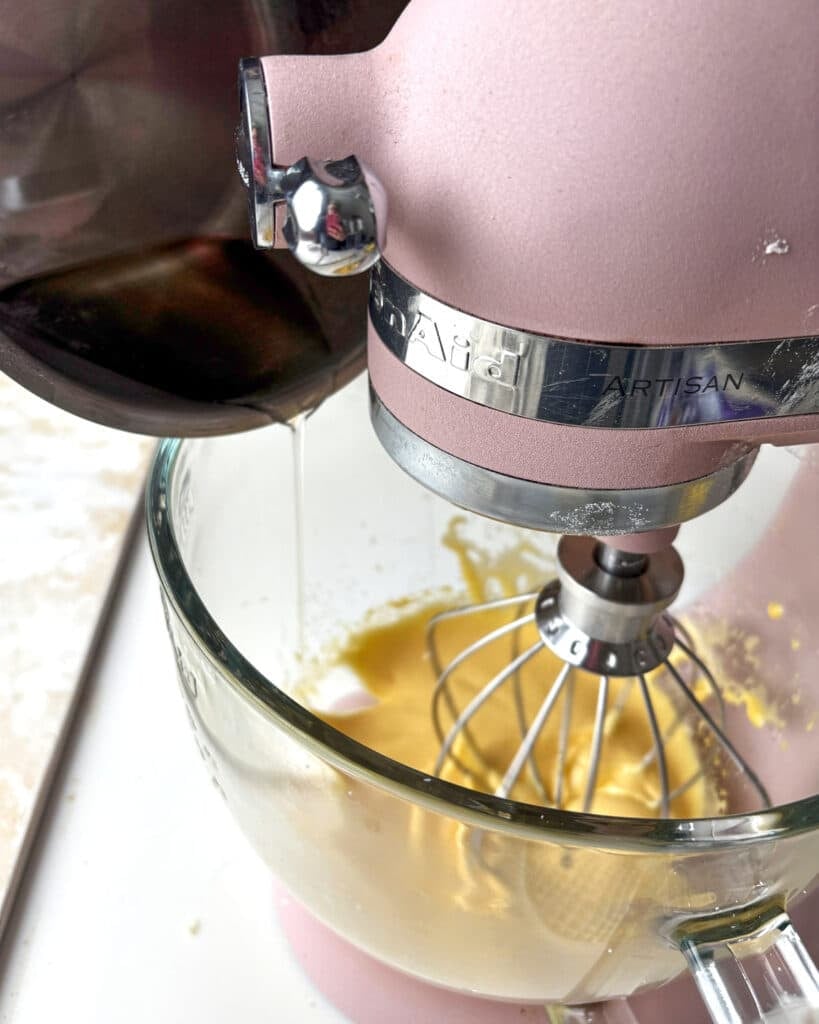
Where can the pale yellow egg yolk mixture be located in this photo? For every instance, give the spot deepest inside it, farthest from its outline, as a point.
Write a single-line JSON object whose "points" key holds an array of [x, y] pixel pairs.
{"points": [[392, 663]]}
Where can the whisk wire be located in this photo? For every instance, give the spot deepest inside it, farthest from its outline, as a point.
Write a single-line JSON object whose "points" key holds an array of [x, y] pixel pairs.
{"points": [[535, 729], [700, 668], [520, 711], [597, 742], [471, 609], [688, 650], [622, 698], [685, 786], [468, 652], [443, 676], [659, 749], [479, 700], [725, 743], [563, 741]]}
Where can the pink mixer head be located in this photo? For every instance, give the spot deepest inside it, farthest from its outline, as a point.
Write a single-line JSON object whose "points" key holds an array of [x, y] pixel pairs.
{"points": [[599, 290]]}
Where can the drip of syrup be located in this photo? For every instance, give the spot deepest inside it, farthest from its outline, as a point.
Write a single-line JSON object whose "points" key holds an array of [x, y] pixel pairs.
{"points": [[297, 429]]}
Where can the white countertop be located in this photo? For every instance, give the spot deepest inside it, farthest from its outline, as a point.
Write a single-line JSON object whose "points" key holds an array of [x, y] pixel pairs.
{"points": [[67, 494], [144, 902]]}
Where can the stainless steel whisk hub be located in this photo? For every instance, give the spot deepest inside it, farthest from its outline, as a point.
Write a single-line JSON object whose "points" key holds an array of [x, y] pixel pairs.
{"points": [[603, 612]]}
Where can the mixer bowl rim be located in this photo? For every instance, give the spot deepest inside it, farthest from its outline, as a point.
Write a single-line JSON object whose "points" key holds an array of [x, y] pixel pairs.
{"points": [[481, 810]]}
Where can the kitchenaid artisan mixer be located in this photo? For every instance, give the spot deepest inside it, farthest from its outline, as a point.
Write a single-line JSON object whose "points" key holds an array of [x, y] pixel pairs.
{"points": [[597, 299]]}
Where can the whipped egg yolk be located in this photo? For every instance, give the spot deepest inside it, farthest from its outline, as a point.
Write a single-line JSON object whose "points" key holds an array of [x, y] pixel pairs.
{"points": [[392, 664]]}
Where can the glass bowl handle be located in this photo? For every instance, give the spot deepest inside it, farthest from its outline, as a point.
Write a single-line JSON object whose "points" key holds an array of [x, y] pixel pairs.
{"points": [[751, 968]]}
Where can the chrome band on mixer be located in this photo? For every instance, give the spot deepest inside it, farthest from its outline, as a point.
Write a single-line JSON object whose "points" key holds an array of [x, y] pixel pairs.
{"points": [[541, 506], [586, 383]]}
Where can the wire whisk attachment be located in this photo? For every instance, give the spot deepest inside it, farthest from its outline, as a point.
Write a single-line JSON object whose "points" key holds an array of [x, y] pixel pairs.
{"points": [[597, 639]]}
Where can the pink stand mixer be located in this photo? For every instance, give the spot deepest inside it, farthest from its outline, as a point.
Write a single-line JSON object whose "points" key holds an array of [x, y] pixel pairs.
{"points": [[592, 235], [594, 240]]}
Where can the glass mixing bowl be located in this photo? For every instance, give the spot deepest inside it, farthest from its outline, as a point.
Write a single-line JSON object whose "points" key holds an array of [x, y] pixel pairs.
{"points": [[558, 907]]}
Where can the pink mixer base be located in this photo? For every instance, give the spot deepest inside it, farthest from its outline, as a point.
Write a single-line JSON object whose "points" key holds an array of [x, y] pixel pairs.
{"points": [[369, 992]]}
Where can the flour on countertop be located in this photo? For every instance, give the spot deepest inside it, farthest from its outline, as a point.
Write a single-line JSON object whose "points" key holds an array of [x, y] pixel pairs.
{"points": [[67, 492]]}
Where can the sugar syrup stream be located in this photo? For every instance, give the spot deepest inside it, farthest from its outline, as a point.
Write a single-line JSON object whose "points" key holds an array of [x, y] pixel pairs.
{"points": [[297, 430]]}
